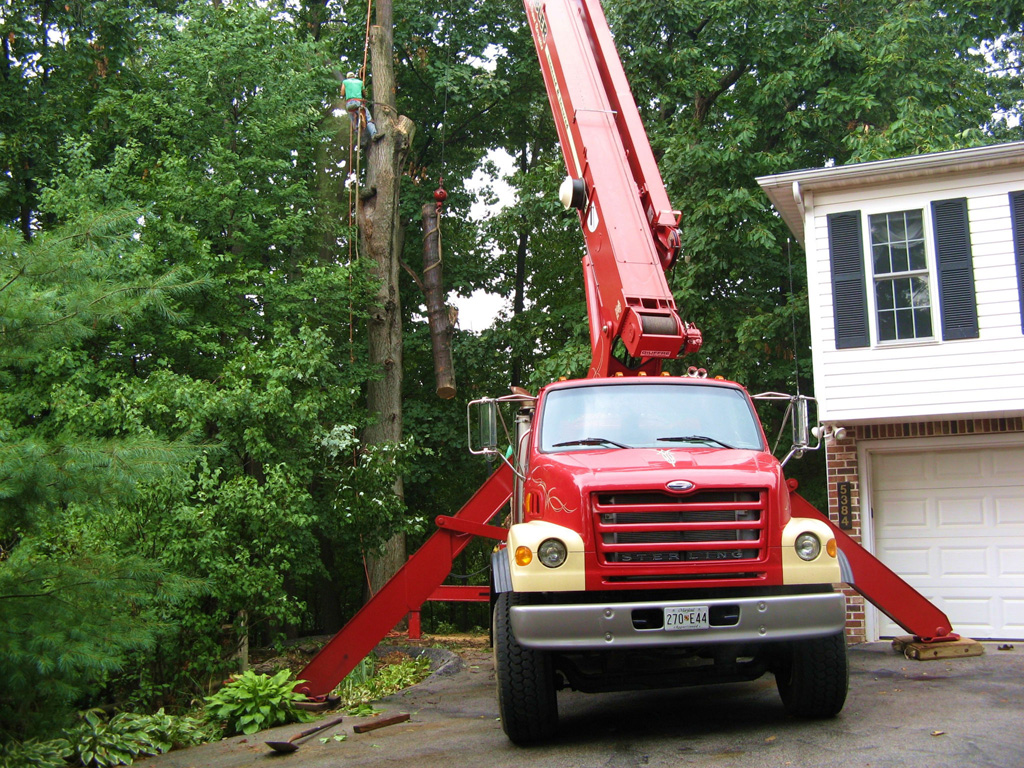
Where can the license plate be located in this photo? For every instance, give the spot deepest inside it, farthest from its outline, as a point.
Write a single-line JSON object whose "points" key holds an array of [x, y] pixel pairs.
{"points": [[690, 617]]}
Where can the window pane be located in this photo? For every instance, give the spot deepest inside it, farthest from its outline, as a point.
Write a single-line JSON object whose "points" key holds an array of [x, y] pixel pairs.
{"points": [[923, 322], [919, 289], [900, 258], [897, 227], [882, 262], [917, 259], [904, 324], [879, 229], [902, 293], [887, 325], [914, 225], [883, 295]]}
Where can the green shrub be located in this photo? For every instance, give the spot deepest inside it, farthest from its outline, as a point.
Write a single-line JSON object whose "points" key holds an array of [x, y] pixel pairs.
{"points": [[35, 754], [252, 702], [176, 731], [357, 690], [100, 743]]}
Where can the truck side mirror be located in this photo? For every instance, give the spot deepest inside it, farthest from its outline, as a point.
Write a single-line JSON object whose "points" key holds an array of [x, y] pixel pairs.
{"points": [[799, 411], [802, 432], [801, 424], [489, 426], [483, 435]]}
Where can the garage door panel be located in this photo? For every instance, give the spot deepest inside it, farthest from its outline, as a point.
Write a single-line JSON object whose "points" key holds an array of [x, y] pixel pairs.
{"points": [[975, 611], [952, 524], [962, 466], [901, 467], [1010, 562], [1006, 463], [1013, 617], [907, 515], [1010, 511], [910, 563], [960, 511], [964, 562]]}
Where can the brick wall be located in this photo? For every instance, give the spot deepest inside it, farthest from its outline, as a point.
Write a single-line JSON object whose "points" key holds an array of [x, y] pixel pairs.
{"points": [[841, 460]]}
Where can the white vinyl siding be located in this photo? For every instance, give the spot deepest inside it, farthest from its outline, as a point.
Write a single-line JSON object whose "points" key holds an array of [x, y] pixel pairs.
{"points": [[923, 378]]}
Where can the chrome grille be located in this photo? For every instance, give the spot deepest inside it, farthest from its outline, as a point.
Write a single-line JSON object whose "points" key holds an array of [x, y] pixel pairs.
{"points": [[656, 527]]}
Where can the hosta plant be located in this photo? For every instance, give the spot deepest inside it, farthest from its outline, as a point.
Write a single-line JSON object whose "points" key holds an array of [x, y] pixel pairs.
{"points": [[34, 753], [252, 702], [101, 743]]}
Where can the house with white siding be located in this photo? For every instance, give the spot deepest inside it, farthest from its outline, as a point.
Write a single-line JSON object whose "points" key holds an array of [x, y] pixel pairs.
{"points": [[915, 270]]}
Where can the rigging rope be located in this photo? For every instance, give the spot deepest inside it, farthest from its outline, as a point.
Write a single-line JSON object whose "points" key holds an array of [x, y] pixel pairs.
{"points": [[353, 188]]}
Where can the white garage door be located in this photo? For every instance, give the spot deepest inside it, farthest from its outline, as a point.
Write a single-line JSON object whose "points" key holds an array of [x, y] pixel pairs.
{"points": [[951, 523]]}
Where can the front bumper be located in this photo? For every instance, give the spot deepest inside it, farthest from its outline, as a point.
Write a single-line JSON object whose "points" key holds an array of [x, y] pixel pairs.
{"points": [[610, 625]]}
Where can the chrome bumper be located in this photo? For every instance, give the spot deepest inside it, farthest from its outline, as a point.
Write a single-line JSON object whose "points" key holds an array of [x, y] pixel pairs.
{"points": [[603, 626]]}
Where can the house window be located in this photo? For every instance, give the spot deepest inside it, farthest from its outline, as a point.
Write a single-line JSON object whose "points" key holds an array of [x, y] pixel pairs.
{"points": [[902, 300], [897, 265]]}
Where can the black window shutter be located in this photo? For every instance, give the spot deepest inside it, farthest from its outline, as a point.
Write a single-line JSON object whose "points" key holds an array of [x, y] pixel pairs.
{"points": [[1017, 222], [956, 269], [849, 300]]}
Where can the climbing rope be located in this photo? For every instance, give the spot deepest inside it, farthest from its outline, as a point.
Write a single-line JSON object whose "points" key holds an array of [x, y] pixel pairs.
{"points": [[354, 170]]}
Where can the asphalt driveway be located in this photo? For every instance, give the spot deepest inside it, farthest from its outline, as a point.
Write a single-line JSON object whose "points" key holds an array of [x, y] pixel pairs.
{"points": [[905, 714]]}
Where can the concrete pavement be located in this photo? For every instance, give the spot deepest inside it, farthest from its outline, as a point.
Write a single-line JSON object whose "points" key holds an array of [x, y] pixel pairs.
{"points": [[959, 713]]}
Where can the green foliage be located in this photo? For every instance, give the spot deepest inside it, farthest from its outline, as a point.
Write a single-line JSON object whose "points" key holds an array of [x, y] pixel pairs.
{"points": [[35, 754], [99, 743], [362, 686], [74, 607], [251, 702]]}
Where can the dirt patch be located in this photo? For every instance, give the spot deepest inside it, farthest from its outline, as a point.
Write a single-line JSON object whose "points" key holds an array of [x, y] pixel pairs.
{"points": [[395, 646]]}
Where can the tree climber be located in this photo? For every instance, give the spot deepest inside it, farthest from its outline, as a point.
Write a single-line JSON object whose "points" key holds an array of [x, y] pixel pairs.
{"points": [[355, 105]]}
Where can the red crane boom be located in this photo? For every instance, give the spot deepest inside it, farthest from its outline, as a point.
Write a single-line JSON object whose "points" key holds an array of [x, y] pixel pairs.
{"points": [[631, 231]]}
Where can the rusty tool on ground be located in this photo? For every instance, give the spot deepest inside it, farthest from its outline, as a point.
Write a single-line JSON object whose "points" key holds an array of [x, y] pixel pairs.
{"points": [[291, 746], [380, 723]]}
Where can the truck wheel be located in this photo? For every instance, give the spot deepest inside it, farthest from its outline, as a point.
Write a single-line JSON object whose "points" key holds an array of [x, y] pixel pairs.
{"points": [[812, 676], [526, 681]]}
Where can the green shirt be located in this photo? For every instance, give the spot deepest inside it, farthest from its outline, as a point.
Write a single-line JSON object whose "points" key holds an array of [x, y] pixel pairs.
{"points": [[353, 88]]}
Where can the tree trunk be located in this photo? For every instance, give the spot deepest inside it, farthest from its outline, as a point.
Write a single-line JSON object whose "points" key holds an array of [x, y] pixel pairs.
{"points": [[379, 225], [437, 310]]}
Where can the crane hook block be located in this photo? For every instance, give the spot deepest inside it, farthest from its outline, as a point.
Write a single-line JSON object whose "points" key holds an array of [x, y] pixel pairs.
{"points": [[440, 195]]}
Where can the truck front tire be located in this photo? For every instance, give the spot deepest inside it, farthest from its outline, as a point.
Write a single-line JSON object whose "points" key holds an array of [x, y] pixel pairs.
{"points": [[526, 681], [813, 676]]}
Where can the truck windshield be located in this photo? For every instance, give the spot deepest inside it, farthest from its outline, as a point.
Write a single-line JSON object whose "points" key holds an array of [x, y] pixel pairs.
{"points": [[648, 416]]}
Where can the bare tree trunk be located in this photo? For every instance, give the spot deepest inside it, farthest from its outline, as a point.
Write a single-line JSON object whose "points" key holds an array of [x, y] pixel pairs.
{"points": [[381, 236], [437, 310]]}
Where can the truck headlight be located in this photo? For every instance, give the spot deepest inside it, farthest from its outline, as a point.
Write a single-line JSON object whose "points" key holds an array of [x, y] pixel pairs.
{"points": [[552, 553], [808, 546]]}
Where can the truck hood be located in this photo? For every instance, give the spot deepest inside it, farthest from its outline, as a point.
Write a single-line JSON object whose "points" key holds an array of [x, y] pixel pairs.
{"points": [[668, 459], [651, 468]]}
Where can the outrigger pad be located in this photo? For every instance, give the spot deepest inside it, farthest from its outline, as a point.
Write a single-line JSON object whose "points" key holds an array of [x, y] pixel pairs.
{"points": [[912, 648]]}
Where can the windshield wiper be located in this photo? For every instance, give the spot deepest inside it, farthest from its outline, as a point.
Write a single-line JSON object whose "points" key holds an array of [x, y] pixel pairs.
{"points": [[694, 439], [590, 441]]}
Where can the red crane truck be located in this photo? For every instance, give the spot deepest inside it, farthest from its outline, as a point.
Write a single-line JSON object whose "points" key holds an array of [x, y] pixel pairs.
{"points": [[653, 540]]}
